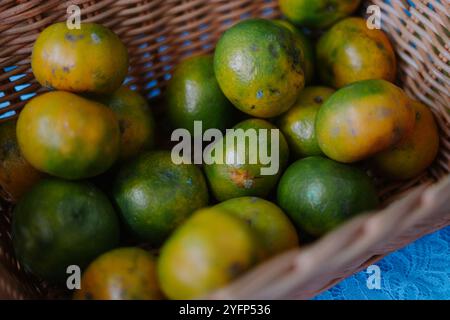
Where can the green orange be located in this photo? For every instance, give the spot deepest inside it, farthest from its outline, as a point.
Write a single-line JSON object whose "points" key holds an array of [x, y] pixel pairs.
{"points": [[154, 195], [259, 67], [193, 94], [415, 153], [120, 274], [274, 228], [61, 223], [351, 52], [16, 175], [319, 194], [68, 136], [240, 171], [363, 119], [136, 122], [307, 47], [317, 13], [89, 59], [298, 124], [206, 253]]}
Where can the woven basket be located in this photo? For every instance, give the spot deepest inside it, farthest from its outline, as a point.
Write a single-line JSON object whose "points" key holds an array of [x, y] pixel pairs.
{"points": [[159, 33]]}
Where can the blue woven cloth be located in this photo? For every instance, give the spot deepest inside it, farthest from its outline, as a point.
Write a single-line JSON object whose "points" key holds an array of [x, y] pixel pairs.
{"points": [[419, 271]]}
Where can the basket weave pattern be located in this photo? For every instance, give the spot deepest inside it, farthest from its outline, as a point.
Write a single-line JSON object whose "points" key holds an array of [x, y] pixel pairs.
{"points": [[160, 33]]}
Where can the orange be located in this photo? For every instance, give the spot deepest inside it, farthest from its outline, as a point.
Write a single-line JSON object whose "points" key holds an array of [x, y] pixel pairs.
{"points": [[68, 136], [89, 59], [16, 174], [414, 154]]}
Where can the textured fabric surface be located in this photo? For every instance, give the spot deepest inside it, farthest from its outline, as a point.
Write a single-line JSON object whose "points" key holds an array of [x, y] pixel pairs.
{"points": [[419, 271]]}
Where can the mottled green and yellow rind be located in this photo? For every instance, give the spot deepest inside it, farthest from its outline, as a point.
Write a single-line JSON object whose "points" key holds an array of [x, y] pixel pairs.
{"points": [[317, 13], [307, 48], [154, 195], [17, 175], [120, 274], [274, 228], [136, 122], [259, 67], [319, 194], [206, 253], [351, 52], [413, 154], [68, 136], [193, 94], [62, 223], [235, 180], [362, 119], [298, 123], [89, 59]]}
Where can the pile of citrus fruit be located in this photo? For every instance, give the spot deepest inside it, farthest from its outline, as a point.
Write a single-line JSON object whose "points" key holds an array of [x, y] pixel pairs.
{"points": [[340, 116]]}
